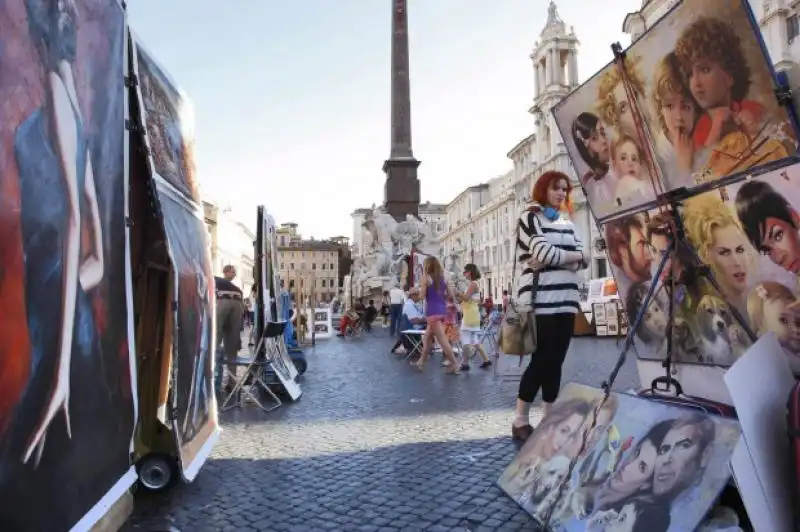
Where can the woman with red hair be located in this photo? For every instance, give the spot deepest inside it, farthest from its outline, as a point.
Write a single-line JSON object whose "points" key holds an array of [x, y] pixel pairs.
{"points": [[549, 255]]}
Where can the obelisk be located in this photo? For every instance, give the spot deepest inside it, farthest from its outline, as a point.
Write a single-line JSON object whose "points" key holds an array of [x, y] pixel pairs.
{"points": [[401, 191]]}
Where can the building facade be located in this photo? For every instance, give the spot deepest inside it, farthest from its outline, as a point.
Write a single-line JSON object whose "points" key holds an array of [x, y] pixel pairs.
{"points": [[480, 228], [310, 268], [235, 245], [230, 242]]}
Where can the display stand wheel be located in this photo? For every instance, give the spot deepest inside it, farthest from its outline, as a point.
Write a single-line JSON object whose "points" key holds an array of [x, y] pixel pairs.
{"points": [[300, 363], [157, 472]]}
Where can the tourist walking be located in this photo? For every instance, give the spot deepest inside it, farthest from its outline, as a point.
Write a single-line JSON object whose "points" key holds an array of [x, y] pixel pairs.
{"points": [[471, 340], [436, 292], [549, 254], [230, 310], [396, 297]]}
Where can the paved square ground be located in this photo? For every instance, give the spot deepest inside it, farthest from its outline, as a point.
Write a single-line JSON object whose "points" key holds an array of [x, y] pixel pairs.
{"points": [[372, 445]]}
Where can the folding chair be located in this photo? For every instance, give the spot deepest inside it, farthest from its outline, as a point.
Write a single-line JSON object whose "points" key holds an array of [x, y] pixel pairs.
{"points": [[246, 387]]}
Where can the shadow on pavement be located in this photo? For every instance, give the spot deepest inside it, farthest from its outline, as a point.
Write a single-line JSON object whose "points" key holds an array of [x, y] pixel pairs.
{"points": [[427, 486]]}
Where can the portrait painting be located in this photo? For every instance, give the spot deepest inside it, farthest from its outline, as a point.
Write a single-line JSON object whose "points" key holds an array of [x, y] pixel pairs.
{"points": [[747, 233], [692, 100], [644, 466], [708, 325], [67, 404], [169, 118]]}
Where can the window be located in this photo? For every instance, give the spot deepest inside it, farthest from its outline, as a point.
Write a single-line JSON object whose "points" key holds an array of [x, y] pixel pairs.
{"points": [[792, 28], [323, 283], [313, 265], [282, 268], [332, 266], [291, 266], [323, 265]]}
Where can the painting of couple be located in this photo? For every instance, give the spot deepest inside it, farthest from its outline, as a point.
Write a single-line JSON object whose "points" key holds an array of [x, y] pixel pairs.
{"points": [[645, 465]]}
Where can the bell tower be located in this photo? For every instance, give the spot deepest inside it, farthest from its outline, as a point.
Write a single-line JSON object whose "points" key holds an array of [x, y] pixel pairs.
{"points": [[555, 74]]}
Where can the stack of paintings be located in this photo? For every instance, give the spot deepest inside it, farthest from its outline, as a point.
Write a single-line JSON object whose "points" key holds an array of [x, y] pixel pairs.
{"points": [[645, 466]]}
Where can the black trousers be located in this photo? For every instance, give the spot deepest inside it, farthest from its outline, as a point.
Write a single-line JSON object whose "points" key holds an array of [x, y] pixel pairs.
{"points": [[553, 332]]}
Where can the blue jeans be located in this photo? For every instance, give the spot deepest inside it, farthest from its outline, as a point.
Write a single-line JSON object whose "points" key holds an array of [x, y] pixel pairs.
{"points": [[395, 313]]}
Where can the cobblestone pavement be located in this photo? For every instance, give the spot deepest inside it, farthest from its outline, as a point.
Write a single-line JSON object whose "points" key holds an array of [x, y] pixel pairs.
{"points": [[372, 445]]}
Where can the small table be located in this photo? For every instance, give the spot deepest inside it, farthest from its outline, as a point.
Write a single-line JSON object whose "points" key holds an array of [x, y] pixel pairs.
{"points": [[415, 338]]}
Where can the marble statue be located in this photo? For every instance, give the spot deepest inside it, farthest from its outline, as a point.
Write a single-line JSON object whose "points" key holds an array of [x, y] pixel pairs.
{"points": [[386, 242]]}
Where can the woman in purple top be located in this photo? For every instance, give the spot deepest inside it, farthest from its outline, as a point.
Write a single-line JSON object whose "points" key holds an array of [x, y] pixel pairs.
{"points": [[435, 291]]}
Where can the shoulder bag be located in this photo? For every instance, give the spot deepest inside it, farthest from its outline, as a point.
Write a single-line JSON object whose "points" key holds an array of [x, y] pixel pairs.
{"points": [[518, 328]]}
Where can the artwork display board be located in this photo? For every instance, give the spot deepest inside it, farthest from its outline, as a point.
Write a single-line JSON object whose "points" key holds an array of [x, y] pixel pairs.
{"points": [[646, 465], [67, 369], [703, 85], [269, 305], [663, 140], [168, 119], [323, 323]]}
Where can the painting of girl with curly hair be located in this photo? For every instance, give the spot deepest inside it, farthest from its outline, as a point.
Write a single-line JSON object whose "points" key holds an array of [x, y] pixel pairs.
{"points": [[695, 94], [731, 124]]}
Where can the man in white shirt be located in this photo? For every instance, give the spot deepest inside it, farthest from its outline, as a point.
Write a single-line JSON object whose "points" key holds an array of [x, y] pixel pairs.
{"points": [[412, 318], [396, 297]]}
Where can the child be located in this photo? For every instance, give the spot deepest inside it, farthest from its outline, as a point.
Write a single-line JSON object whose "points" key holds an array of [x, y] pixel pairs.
{"points": [[712, 61], [471, 324], [772, 307], [633, 185], [677, 114]]}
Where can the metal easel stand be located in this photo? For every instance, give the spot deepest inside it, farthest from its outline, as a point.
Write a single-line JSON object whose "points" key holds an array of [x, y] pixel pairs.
{"points": [[243, 391]]}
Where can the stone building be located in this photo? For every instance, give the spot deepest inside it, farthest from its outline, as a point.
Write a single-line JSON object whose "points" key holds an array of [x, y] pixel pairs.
{"points": [[480, 226], [310, 268], [231, 242]]}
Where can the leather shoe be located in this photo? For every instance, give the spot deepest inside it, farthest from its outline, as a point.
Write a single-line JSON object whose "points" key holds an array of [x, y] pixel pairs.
{"points": [[521, 433]]}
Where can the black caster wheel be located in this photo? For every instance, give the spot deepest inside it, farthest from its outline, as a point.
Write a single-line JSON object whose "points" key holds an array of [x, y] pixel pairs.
{"points": [[157, 472]]}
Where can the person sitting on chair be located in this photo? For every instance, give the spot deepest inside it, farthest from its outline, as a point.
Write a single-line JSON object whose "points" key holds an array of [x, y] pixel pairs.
{"points": [[412, 318], [351, 318], [370, 313]]}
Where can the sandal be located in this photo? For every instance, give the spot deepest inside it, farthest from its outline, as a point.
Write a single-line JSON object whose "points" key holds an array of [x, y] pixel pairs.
{"points": [[420, 367]]}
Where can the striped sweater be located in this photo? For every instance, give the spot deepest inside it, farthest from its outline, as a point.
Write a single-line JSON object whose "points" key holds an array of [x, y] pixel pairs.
{"points": [[544, 241]]}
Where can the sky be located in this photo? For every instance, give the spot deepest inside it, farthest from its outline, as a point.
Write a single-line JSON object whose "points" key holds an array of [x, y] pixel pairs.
{"points": [[291, 98]]}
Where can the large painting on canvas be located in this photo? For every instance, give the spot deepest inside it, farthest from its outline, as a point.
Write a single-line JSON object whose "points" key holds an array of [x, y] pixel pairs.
{"points": [[67, 400], [696, 93], [646, 465], [748, 235], [166, 113]]}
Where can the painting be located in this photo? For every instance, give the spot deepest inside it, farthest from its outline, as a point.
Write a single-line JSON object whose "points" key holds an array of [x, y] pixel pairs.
{"points": [[169, 119], [193, 399], [745, 235], [645, 465], [692, 101], [67, 406], [167, 114]]}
